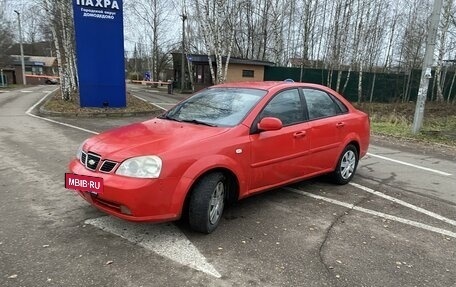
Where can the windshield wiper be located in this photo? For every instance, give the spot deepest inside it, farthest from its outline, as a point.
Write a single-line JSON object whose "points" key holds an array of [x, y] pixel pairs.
{"points": [[167, 117], [199, 123]]}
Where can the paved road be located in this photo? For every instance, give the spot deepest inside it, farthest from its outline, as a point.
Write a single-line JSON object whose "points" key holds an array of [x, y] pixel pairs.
{"points": [[394, 226]]}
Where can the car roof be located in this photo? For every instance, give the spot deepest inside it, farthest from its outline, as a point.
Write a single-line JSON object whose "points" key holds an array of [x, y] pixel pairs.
{"points": [[267, 85]]}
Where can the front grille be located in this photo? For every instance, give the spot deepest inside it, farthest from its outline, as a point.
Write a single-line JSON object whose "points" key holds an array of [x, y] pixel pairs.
{"points": [[83, 158], [108, 166], [92, 161]]}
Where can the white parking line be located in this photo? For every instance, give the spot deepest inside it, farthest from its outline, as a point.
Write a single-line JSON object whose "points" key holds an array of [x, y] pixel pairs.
{"points": [[158, 106], [403, 203], [409, 164], [164, 239], [29, 113], [375, 213]]}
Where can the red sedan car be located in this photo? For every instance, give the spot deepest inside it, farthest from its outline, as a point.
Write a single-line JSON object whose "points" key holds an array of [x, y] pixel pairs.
{"points": [[222, 144]]}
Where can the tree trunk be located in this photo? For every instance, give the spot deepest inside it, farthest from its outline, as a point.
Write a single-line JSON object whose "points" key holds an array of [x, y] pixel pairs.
{"points": [[339, 76], [372, 88], [360, 84], [346, 81], [443, 33]]}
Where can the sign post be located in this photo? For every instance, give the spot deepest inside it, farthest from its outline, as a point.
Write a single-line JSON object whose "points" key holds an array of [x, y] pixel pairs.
{"points": [[100, 52]]}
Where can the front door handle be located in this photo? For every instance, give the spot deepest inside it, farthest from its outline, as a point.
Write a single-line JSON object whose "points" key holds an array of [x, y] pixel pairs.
{"points": [[299, 134], [340, 124]]}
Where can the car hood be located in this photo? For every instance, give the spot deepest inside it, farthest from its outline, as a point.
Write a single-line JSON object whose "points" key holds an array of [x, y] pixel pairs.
{"points": [[151, 137]]}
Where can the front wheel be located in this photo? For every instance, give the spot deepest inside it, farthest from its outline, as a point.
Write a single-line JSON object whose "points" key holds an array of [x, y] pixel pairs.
{"points": [[207, 202], [346, 166]]}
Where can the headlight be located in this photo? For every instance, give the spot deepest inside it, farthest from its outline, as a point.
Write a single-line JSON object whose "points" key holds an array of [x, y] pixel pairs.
{"points": [[79, 151], [142, 167]]}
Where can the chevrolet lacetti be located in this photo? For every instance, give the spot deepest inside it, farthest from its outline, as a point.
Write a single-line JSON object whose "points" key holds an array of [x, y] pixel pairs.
{"points": [[222, 144]]}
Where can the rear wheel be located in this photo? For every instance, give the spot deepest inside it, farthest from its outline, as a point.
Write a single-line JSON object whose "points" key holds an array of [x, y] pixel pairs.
{"points": [[346, 165], [207, 202]]}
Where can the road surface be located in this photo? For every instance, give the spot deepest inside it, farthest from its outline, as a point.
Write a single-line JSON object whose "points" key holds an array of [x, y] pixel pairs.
{"points": [[395, 225]]}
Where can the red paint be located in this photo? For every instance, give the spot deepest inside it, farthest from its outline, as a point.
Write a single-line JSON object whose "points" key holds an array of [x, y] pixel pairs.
{"points": [[258, 160]]}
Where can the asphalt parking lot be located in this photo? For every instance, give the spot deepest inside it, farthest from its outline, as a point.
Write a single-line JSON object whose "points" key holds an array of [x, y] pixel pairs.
{"points": [[395, 225]]}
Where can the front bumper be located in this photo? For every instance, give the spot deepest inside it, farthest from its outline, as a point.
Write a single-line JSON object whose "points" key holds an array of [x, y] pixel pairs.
{"points": [[135, 199]]}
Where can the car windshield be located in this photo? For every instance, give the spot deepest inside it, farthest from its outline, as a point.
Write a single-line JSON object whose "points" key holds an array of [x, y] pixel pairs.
{"points": [[216, 106]]}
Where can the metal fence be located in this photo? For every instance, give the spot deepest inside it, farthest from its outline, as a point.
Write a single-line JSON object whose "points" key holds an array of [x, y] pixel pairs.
{"points": [[376, 87]]}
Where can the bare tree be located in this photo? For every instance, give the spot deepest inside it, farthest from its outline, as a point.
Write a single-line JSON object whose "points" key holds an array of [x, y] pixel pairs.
{"points": [[152, 16], [6, 36], [412, 40], [443, 33], [60, 22], [217, 20], [353, 36]]}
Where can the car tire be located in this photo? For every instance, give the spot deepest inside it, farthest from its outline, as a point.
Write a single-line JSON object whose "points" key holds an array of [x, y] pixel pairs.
{"points": [[207, 202], [346, 165]]}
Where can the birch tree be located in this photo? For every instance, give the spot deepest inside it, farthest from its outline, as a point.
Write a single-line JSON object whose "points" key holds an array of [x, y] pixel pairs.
{"points": [[153, 15], [442, 42], [277, 19], [412, 40], [60, 21], [217, 20], [6, 36]]}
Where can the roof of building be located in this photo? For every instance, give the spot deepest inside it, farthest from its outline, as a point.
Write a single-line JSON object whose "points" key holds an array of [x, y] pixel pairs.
{"points": [[34, 60], [233, 60]]}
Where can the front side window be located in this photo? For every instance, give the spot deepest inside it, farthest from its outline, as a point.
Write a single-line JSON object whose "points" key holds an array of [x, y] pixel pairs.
{"points": [[320, 104], [216, 106], [286, 106]]}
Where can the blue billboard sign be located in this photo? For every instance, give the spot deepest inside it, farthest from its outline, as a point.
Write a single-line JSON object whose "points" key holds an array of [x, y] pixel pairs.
{"points": [[100, 52]]}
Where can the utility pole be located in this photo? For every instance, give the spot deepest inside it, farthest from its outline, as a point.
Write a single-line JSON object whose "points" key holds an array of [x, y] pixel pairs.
{"points": [[427, 67], [184, 17], [24, 81]]}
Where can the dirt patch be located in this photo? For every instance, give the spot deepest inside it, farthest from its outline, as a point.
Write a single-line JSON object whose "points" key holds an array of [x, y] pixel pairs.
{"points": [[56, 106]]}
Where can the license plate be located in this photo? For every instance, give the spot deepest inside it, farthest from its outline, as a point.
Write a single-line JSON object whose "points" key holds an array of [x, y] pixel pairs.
{"points": [[90, 184]]}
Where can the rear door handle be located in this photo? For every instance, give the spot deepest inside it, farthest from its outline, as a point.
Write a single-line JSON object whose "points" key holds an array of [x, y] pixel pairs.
{"points": [[299, 134], [340, 124]]}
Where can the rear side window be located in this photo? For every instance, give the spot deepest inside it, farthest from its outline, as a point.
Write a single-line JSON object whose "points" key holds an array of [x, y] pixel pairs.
{"points": [[286, 106], [320, 104], [343, 108]]}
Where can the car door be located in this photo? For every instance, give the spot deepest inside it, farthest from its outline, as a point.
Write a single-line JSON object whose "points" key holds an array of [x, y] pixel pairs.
{"points": [[281, 155], [326, 129]]}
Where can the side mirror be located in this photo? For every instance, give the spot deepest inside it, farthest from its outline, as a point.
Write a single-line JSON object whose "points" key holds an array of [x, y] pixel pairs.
{"points": [[270, 124]]}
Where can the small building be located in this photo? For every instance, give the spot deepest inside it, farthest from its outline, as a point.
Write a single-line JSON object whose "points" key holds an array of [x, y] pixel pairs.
{"points": [[239, 70], [37, 68]]}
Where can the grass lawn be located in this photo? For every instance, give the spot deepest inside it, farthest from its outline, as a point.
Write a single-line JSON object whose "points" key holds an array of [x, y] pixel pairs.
{"points": [[395, 119]]}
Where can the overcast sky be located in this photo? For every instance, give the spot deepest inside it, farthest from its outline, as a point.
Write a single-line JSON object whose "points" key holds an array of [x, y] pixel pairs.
{"points": [[133, 28]]}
